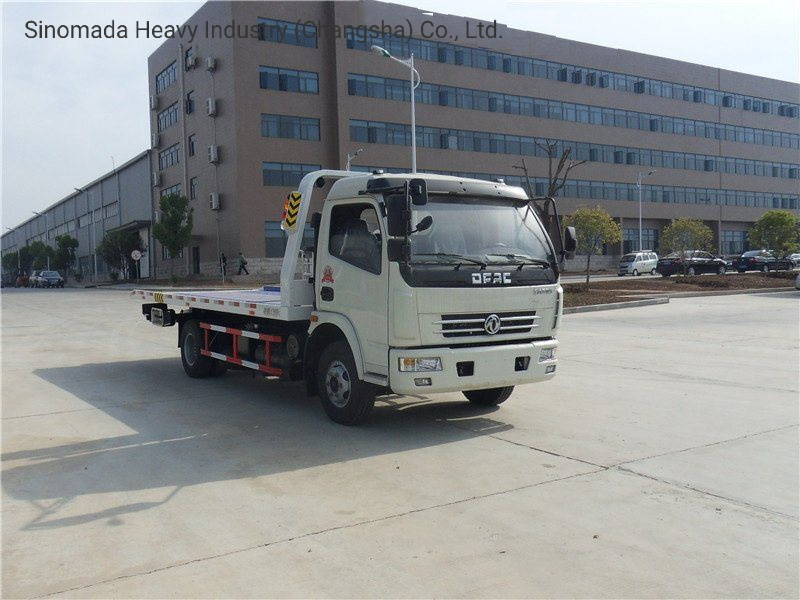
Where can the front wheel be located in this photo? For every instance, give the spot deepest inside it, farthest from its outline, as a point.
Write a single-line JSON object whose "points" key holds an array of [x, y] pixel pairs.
{"points": [[652, 271], [721, 271], [194, 364], [490, 397], [636, 273], [346, 399], [690, 271]]}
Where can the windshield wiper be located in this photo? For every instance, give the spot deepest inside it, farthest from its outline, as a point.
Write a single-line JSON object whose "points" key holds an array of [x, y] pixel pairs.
{"points": [[522, 258], [456, 256]]}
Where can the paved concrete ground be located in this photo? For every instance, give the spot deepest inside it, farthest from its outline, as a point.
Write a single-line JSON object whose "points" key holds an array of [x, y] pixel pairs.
{"points": [[662, 462]]}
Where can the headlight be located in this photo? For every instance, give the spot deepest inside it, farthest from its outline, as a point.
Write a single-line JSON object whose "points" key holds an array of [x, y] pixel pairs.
{"points": [[418, 365], [547, 354]]}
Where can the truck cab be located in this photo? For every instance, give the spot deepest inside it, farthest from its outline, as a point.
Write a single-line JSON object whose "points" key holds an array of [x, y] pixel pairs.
{"points": [[438, 284]]}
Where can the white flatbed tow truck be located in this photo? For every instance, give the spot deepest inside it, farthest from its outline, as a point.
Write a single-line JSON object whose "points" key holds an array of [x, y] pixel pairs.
{"points": [[415, 284]]}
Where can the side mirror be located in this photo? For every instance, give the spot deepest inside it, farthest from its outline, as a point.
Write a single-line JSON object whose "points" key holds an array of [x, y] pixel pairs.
{"points": [[396, 223], [570, 239], [418, 190], [424, 224]]}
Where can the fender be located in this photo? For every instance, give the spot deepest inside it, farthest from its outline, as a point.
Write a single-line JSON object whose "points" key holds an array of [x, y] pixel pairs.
{"points": [[346, 327]]}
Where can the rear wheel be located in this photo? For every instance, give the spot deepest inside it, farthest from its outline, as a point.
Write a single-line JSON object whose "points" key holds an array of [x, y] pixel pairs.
{"points": [[195, 364], [345, 398], [653, 271], [489, 397], [721, 270], [765, 269], [690, 271]]}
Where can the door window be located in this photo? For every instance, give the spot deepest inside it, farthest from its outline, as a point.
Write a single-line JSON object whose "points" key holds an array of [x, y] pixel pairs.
{"points": [[355, 236]]}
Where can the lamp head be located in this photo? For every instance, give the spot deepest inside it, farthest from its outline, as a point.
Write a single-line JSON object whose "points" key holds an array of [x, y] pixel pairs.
{"points": [[380, 51]]}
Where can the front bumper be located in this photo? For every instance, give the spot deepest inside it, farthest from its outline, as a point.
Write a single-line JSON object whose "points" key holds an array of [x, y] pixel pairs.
{"points": [[492, 367]]}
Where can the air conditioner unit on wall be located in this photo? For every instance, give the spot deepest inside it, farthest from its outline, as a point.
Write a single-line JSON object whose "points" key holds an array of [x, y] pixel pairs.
{"points": [[213, 201], [155, 140], [156, 179], [211, 107], [191, 62], [211, 63], [213, 154], [153, 102]]}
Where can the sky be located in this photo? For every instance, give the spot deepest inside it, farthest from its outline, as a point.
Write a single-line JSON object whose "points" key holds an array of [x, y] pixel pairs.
{"points": [[73, 108]]}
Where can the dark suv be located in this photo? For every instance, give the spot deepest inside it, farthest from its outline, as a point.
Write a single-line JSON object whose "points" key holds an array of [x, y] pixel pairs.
{"points": [[755, 260], [691, 262], [49, 279]]}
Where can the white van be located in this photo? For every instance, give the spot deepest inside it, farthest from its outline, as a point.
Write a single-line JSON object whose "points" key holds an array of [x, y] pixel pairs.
{"points": [[637, 263]]}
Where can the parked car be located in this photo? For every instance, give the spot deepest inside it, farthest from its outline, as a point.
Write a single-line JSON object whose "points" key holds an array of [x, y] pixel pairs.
{"points": [[788, 262], [755, 260], [692, 262], [637, 263], [50, 279], [33, 280]]}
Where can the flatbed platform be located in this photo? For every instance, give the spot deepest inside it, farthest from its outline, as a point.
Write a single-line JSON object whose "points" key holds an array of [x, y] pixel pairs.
{"points": [[262, 302]]}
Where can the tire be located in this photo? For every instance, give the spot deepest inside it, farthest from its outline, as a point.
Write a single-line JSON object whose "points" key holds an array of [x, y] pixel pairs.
{"points": [[346, 399], [490, 397], [665, 274], [195, 364], [765, 268], [636, 273], [690, 271], [721, 271], [740, 271], [652, 271]]}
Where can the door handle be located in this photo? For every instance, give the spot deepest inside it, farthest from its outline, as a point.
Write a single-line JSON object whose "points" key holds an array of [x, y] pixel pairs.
{"points": [[326, 293]]}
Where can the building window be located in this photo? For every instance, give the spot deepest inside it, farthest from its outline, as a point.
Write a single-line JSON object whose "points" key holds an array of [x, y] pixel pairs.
{"points": [[630, 239], [275, 239], [288, 80], [169, 157], [111, 210], [175, 189], [193, 188], [168, 117], [286, 32], [166, 77], [188, 58], [734, 242], [189, 102], [297, 128], [191, 143], [166, 256], [377, 132], [286, 174]]}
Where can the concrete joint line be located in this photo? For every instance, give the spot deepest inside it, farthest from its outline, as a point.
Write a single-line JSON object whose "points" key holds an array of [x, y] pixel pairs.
{"points": [[320, 532]]}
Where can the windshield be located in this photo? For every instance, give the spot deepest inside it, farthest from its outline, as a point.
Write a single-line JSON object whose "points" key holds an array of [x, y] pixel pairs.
{"points": [[627, 258], [480, 229], [50, 274], [752, 253]]}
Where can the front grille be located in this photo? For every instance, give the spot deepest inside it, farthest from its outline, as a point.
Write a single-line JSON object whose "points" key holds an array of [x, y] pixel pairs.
{"points": [[473, 325]]}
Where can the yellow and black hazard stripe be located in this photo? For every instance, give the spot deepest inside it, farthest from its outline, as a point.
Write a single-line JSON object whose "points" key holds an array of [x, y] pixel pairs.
{"points": [[292, 210]]}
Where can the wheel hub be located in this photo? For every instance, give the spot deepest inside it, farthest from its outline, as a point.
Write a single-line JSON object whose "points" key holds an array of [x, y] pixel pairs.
{"points": [[337, 384]]}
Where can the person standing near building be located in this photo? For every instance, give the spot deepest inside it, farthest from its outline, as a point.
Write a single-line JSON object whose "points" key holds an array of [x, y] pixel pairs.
{"points": [[223, 261], [242, 265]]}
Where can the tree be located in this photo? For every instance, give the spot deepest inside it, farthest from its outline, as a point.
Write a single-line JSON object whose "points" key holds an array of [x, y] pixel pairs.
{"points": [[558, 177], [40, 252], [116, 247], [594, 227], [65, 254], [685, 235], [776, 230], [11, 262], [174, 230]]}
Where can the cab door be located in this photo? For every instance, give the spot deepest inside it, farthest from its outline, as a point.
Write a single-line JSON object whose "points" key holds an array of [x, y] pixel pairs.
{"points": [[352, 275]]}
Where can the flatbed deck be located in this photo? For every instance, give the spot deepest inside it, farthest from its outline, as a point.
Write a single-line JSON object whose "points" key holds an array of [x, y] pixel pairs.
{"points": [[261, 302]]}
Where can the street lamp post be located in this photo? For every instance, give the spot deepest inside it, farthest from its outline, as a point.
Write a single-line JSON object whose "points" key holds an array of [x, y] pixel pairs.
{"points": [[350, 158], [410, 64], [46, 234], [639, 185]]}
